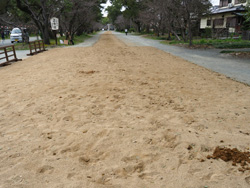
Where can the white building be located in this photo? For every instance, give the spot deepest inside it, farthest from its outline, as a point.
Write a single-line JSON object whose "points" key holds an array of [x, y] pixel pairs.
{"points": [[228, 16]]}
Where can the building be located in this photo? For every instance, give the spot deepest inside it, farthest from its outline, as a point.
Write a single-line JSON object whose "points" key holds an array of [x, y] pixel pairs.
{"points": [[225, 18]]}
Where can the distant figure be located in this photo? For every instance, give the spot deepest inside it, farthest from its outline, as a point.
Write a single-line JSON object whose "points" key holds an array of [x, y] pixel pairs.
{"points": [[25, 36], [3, 37], [126, 31], [70, 39]]}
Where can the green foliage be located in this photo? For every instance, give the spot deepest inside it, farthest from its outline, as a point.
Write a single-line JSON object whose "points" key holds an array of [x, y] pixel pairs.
{"points": [[132, 30], [219, 43], [227, 51], [77, 40], [155, 37], [105, 20], [132, 8], [114, 10], [3, 6], [247, 15], [207, 33], [242, 44], [246, 23]]}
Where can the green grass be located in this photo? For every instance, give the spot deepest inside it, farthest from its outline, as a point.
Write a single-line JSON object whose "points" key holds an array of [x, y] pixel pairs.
{"points": [[227, 51], [218, 43], [21, 46], [77, 40], [155, 37]]}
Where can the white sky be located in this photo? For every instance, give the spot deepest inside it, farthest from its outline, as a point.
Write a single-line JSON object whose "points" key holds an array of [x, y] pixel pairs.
{"points": [[214, 2], [105, 6]]}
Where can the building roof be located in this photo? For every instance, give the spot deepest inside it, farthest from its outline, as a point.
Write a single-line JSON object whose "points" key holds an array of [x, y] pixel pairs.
{"points": [[224, 10]]}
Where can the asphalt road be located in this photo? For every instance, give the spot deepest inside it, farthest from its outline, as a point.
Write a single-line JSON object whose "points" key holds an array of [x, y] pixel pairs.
{"points": [[236, 68], [7, 41]]}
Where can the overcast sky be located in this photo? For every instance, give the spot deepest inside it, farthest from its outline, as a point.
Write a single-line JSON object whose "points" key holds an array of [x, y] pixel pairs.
{"points": [[214, 2]]}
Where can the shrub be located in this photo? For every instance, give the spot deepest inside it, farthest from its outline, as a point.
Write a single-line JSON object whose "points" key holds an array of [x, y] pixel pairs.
{"points": [[132, 30]]}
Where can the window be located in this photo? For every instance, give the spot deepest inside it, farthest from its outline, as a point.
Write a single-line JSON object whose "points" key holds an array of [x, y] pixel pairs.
{"points": [[16, 31], [219, 22], [208, 22], [231, 22], [224, 3], [239, 1]]}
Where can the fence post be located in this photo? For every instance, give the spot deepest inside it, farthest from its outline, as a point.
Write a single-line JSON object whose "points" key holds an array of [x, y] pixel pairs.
{"points": [[14, 52], [6, 50], [6, 54], [39, 45], [43, 46], [35, 46], [30, 48]]}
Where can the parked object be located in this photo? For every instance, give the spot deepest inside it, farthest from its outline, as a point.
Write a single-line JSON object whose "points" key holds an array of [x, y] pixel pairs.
{"points": [[66, 42], [8, 54], [18, 35], [3, 37]]}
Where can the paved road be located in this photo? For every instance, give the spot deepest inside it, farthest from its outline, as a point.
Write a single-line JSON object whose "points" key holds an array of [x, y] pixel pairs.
{"points": [[90, 41], [7, 41], [235, 68]]}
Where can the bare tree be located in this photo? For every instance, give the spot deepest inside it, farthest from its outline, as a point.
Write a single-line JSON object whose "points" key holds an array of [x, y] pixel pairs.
{"points": [[154, 15], [40, 12], [186, 14], [176, 16]]}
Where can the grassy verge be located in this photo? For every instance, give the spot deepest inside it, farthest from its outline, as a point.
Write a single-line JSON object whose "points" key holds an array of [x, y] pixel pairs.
{"points": [[156, 37], [241, 54], [77, 40], [218, 43], [203, 43]]}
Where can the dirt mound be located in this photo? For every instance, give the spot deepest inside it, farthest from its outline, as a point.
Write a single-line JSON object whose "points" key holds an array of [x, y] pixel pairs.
{"points": [[234, 155]]}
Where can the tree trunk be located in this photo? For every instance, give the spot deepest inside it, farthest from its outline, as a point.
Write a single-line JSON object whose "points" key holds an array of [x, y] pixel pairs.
{"points": [[190, 34], [175, 34], [183, 33], [147, 29], [169, 35], [46, 38], [190, 37], [138, 26]]}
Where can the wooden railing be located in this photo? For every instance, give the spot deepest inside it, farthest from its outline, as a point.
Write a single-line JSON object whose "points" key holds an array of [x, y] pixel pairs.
{"points": [[36, 47], [6, 56]]}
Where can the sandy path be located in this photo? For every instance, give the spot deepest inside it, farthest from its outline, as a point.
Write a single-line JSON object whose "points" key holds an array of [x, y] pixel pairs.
{"points": [[118, 116], [233, 67]]}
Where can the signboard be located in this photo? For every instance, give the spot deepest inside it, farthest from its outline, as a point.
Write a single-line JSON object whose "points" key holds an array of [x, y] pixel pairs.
{"points": [[54, 23]]}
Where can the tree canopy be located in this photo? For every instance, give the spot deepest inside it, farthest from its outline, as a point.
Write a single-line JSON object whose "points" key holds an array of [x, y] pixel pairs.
{"points": [[175, 16], [75, 15]]}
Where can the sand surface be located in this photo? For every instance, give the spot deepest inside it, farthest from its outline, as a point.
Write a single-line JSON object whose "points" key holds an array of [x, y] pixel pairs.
{"points": [[119, 117]]}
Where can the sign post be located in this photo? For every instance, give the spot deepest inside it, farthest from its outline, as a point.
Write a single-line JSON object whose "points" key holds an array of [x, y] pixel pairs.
{"points": [[54, 26]]}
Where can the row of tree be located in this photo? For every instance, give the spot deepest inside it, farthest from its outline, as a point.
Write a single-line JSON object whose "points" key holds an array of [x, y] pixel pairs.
{"points": [[179, 17], [76, 16], [172, 16]]}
